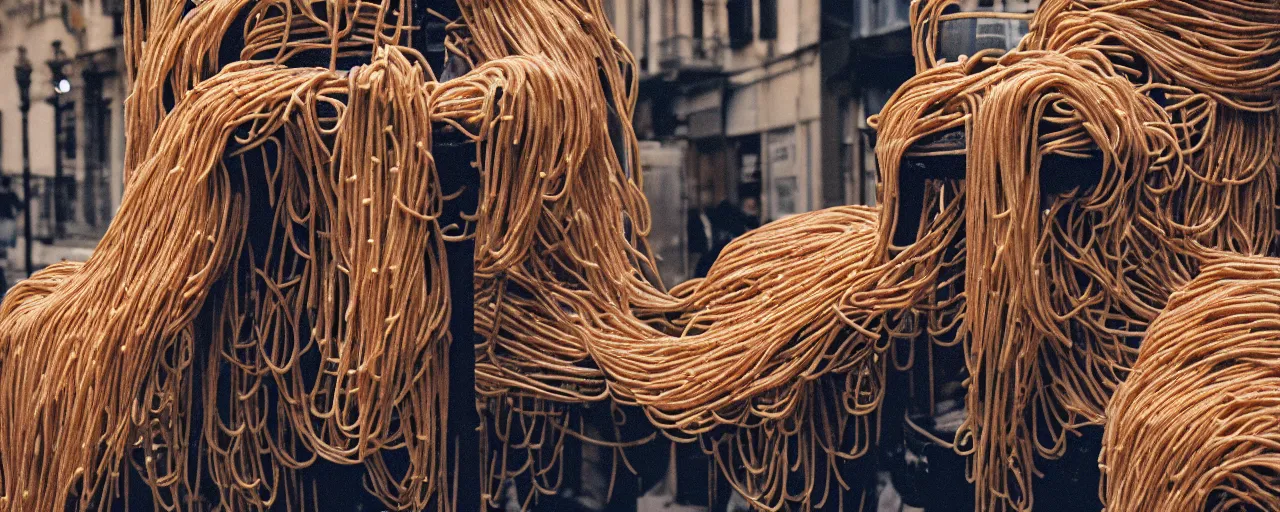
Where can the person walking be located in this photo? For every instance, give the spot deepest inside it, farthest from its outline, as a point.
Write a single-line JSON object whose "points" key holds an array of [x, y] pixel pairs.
{"points": [[10, 207], [727, 223]]}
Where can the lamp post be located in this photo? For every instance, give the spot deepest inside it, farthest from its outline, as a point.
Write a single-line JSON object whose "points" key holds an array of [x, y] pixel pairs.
{"points": [[61, 86], [22, 73]]}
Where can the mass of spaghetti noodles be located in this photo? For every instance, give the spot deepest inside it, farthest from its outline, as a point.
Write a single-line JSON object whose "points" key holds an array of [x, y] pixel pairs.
{"points": [[1112, 142], [273, 294], [1197, 424]]}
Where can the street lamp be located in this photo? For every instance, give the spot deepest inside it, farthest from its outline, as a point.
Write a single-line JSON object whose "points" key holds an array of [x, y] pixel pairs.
{"points": [[22, 73], [61, 85]]}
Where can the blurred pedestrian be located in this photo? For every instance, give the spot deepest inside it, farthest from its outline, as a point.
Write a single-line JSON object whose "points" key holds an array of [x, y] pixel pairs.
{"points": [[728, 222], [10, 207], [751, 212], [699, 225]]}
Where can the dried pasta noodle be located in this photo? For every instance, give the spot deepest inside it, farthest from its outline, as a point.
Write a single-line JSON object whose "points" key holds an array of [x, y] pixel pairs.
{"points": [[78, 347]]}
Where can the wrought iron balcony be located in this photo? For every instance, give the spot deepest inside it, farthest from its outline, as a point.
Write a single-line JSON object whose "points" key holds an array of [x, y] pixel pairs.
{"points": [[57, 213], [686, 53]]}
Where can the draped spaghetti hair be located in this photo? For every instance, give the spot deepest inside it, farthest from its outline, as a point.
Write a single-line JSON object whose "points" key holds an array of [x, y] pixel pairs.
{"points": [[1160, 119], [1197, 424], [315, 335], [766, 369], [276, 269]]}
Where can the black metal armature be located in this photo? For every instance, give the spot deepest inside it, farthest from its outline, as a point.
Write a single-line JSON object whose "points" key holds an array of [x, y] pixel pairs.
{"points": [[453, 155], [925, 473]]}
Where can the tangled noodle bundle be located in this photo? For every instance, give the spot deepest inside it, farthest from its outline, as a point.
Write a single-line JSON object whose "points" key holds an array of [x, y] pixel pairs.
{"points": [[770, 362], [322, 354], [568, 314], [290, 296], [759, 348], [324, 339], [1197, 424], [1115, 137], [273, 293]]}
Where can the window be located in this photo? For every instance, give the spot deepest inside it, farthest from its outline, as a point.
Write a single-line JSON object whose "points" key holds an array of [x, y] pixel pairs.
{"points": [[740, 21], [768, 19], [67, 139], [114, 9], [697, 19], [671, 22], [642, 54], [96, 199]]}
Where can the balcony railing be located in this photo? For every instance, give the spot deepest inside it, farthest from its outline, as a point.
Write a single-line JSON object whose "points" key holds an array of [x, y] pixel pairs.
{"points": [[689, 53], [56, 211]]}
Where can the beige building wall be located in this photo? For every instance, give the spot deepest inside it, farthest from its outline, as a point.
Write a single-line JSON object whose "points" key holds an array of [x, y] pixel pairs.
{"points": [[87, 28], [799, 24], [37, 38], [772, 88]]}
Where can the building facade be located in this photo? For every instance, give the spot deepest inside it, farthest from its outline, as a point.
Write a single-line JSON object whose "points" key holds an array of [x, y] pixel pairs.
{"points": [[770, 99], [736, 101], [76, 117]]}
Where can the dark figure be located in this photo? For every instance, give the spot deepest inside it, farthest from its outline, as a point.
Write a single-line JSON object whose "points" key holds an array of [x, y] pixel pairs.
{"points": [[727, 223], [751, 212], [699, 226], [749, 196], [10, 207]]}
